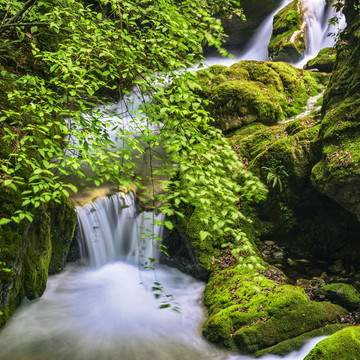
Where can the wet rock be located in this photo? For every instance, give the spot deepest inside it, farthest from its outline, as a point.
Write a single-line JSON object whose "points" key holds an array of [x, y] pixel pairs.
{"points": [[279, 256], [333, 347], [290, 262], [269, 243], [336, 268], [287, 41]]}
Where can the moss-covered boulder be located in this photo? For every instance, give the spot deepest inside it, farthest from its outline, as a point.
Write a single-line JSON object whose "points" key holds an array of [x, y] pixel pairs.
{"points": [[324, 61], [249, 311], [287, 346], [337, 174], [256, 91], [287, 41], [343, 345], [342, 294]]}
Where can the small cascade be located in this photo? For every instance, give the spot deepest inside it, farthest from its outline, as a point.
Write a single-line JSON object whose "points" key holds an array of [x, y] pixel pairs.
{"points": [[112, 229], [319, 33], [257, 48]]}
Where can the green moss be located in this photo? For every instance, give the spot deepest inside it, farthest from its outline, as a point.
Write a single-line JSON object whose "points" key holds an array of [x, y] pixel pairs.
{"points": [[324, 60], [26, 250], [287, 346], [250, 312], [287, 41], [343, 345], [63, 222], [255, 91], [289, 144], [37, 261]]}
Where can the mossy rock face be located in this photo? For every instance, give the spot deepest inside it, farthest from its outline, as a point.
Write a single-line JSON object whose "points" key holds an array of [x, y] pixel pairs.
{"points": [[63, 221], [294, 213], [342, 294], [287, 41], [238, 30], [256, 91], [250, 312], [343, 345], [337, 174], [30, 251], [324, 61]]}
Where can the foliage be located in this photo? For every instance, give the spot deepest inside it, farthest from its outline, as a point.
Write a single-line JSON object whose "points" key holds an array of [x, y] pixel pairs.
{"points": [[276, 175], [147, 44], [90, 54]]}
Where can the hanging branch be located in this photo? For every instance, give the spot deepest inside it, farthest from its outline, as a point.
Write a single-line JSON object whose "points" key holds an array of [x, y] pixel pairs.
{"points": [[26, 6], [12, 22]]}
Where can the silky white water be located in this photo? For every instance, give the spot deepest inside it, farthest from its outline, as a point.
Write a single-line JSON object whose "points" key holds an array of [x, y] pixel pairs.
{"points": [[319, 33], [112, 305]]}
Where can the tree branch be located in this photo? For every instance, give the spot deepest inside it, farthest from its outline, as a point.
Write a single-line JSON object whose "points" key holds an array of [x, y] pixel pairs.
{"points": [[26, 6]]}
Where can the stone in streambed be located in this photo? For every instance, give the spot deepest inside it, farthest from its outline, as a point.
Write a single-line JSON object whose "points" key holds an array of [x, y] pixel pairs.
{"points": [[249, 311]]}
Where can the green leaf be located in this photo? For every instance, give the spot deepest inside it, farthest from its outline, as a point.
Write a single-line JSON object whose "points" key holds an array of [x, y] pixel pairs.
{"points": [[204, 235], [164, 306], [4, 221]]}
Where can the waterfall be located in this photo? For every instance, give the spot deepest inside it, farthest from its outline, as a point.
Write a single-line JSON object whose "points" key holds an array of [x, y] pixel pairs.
{"points": [[257, 47], [319, 33], [112, 229]]}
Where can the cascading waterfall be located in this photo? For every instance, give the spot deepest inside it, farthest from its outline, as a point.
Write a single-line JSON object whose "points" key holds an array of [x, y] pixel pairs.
{"points": [[257, 47], [319, 33], [106, 308], [112, 229]]}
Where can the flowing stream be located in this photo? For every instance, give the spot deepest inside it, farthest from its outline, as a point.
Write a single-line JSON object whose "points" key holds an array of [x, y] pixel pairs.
{"points": [[117, 303], [113, 305]]}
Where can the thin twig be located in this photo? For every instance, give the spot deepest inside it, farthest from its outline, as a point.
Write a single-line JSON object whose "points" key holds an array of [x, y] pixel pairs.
{"points": [[6, 14]]}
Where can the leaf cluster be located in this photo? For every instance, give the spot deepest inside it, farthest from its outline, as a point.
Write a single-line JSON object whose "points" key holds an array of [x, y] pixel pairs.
{"points": [[60, 59]]}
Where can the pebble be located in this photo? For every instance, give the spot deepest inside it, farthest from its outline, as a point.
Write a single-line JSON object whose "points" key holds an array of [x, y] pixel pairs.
{"points": [[279, 256], [269, 243]]}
